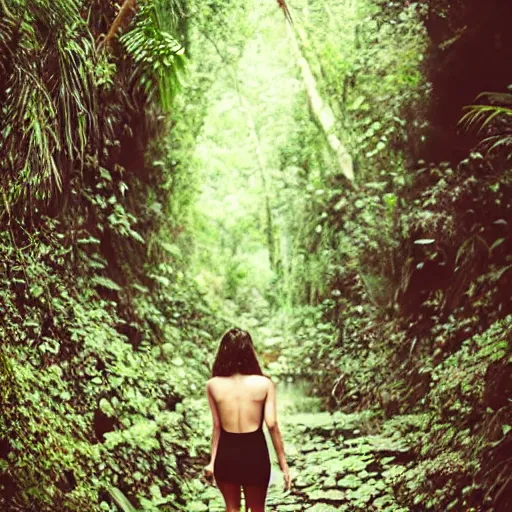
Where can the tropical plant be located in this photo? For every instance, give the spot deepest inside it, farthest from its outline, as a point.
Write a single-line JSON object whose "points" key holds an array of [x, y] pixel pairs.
{"points": [[53, 84], [494, 118], [49, 109], [159, 58]]}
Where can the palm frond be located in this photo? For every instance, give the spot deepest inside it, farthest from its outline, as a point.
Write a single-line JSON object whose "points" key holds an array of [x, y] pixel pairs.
{"points": [[483, 115], [486, 116], [9, 38], [503, 98], [158, 56], [49, 106], [77, 97], [497, 142], [33, 141]]}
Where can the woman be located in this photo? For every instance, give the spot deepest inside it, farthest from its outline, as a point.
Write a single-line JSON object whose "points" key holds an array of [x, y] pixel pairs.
{"points": [[240, 398]]}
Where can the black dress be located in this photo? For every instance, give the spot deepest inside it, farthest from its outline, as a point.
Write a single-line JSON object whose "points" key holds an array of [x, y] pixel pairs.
{"points": [[243, 458]]}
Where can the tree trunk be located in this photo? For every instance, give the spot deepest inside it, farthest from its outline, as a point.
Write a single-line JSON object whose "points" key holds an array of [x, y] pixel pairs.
{"points": [[320, 109], [123, 18]]}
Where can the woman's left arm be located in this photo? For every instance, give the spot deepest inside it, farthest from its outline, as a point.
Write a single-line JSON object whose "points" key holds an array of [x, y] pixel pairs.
{"points": [[216, 423]]}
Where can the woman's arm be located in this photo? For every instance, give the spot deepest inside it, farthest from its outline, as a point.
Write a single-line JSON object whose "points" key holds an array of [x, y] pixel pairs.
{"points": [[216, 423], [275, 433]]}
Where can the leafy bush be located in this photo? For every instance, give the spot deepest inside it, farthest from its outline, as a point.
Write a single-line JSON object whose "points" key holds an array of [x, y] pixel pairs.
{"points": [[90, 406], [98, 316]]}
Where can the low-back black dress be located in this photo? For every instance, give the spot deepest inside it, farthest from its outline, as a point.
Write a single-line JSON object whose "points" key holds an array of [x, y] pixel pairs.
{"points": [[242, 457]]}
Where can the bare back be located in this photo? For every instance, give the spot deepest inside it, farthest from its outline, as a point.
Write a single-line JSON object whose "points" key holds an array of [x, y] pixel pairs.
{"points": [[239, 400]]}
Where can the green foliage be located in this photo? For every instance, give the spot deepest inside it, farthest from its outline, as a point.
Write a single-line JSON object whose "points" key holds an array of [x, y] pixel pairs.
{"points": [[409, 272], [99, 318], [393, 297], [159, 58], [69, 360], [371, 73], [493, 117], [462, 433], [370, 66], [228, 244], [56, 88], [47, 117], [315, 340], [466, 246]]}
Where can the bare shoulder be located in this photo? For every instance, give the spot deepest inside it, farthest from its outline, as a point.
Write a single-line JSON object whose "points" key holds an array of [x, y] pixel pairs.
{"points": [[265, 381], [211, 383]]}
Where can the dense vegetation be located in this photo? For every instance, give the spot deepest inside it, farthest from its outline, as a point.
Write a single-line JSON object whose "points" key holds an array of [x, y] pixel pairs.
{"points": [[340, 185], [97, 313]]}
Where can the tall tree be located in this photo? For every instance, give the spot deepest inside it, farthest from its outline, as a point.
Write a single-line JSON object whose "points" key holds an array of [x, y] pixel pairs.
{"points": [[320, 108]]}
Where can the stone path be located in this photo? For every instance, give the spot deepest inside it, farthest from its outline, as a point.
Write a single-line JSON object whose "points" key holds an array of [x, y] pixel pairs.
{"points": [[341, 462]]}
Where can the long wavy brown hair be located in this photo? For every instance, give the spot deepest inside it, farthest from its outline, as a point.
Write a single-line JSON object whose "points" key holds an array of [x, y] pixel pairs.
{"points": [[236, 354]]}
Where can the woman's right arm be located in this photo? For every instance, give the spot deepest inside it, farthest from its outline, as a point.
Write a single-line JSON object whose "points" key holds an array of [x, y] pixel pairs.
{"points": [[275, 433]]}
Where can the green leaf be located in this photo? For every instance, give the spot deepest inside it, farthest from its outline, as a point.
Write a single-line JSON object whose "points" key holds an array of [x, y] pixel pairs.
{"points": [[496, 243], [137, 236], [106, 283], [172, 249], [36, 290], [357, 103], [121, 499], [89, 240], [197, 506], [104, 173]]}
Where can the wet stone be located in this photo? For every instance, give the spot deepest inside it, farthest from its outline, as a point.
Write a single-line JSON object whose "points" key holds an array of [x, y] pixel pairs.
{"points": [[301, 483]]}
